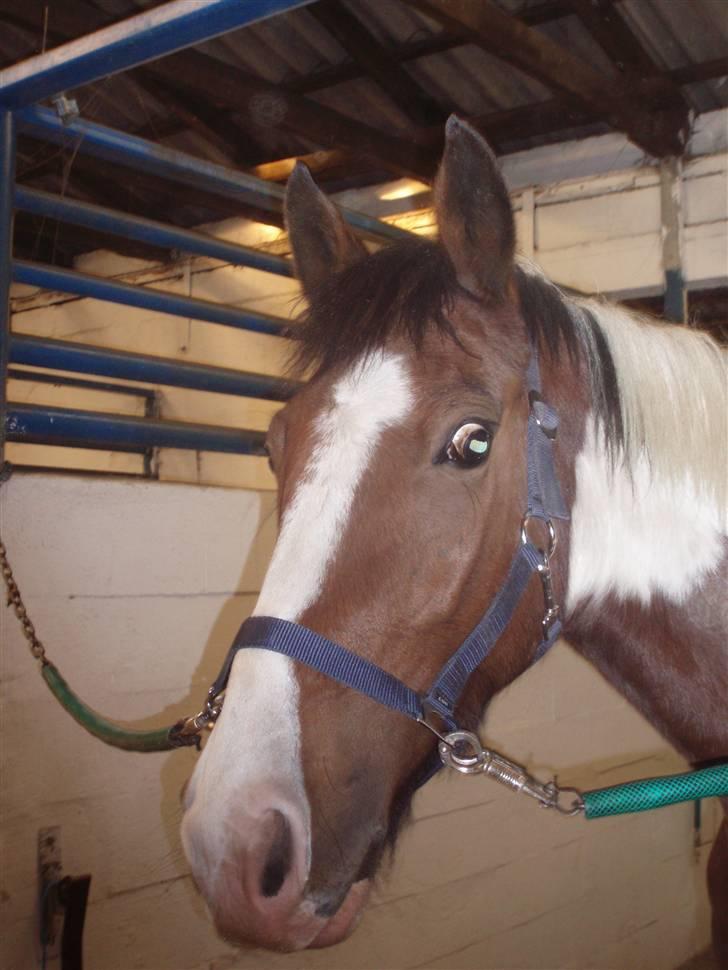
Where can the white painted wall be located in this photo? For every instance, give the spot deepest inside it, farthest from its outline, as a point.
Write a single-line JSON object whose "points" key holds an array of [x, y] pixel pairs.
{"points": [[137, 589]]}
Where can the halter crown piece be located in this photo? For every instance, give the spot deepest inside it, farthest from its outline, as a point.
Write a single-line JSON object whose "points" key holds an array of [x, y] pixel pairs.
{"points": [[544, 503]]}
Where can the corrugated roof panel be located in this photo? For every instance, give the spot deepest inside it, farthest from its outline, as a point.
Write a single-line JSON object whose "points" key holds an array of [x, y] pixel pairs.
{"points": [[393, 23], [364, 101]]}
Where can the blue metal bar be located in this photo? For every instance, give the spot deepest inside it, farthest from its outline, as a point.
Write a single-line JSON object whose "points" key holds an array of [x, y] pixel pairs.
{"points": [[85, 359], [33, 424], [149, 35], [7, 185], [68, 281], [146, 230], [62, 380], [140, 154]]}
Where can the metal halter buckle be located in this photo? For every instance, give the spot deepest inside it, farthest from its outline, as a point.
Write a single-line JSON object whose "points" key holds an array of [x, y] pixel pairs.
{"points": [[535, 398], [189, 730], [551, 607]]}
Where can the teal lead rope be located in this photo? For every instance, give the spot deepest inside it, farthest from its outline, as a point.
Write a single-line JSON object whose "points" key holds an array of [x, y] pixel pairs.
{"points": [[641, 796]]}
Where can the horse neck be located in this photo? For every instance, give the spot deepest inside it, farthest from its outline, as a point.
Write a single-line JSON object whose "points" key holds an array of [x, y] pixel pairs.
{"points": [[647, 553]]}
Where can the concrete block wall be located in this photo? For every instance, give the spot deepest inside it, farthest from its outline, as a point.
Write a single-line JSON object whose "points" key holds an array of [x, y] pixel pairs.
{"points": [[137, 589]]}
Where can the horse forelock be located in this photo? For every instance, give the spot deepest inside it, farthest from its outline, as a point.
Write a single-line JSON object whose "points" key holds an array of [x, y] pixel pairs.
{"points": [[404, 290]]}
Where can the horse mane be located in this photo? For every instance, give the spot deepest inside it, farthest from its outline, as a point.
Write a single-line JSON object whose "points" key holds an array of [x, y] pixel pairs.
{"points": [[658, 390], [673, 391]]}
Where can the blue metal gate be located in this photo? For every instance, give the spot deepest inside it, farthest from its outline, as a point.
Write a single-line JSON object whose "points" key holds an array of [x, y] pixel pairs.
{"points": [[144, 37]]}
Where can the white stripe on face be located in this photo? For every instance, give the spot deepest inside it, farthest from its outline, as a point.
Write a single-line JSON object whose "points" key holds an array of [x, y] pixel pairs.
{"points": [[256, 743], [635, 532], [371, 397]]}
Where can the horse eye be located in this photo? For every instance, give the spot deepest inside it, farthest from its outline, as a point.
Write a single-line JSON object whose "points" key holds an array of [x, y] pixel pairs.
{"points": [[469, 445]]}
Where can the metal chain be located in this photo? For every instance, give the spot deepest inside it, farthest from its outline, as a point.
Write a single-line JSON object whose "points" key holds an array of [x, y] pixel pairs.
{"points": [[16, 601]]}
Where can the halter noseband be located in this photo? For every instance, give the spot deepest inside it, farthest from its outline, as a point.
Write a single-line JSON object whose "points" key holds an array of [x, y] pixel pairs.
{"points": [[545, 503]]}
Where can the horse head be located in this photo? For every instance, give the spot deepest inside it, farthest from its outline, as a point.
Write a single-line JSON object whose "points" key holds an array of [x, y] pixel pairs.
{"points": [[402, 480]]}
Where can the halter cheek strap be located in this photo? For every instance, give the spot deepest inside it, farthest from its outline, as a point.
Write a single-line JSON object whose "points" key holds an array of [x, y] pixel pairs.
{"points": [[545, 503]]}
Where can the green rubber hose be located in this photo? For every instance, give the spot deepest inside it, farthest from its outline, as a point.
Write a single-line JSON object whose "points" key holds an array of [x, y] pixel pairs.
{"points": [[641, 796], [106, 731]]}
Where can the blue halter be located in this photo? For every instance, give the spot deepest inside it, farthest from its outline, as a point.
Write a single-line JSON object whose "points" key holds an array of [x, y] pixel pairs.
{"points": [[545, 503]]}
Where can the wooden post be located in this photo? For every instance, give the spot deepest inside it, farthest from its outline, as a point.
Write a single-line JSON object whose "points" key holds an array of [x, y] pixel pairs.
{"points": [[675, 298]]}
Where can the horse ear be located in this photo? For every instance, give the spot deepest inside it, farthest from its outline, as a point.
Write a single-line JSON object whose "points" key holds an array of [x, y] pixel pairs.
{"points": [[321, 241], [474, 212]]}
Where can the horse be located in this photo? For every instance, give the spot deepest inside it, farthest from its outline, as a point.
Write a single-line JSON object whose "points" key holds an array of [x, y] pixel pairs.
{"points": [[402, 477]]}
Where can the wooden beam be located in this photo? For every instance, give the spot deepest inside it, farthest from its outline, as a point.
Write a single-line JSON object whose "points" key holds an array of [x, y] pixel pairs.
{"points": [[265, 104], [377, 62], [702, 71], [317, 162], [671, 218], [499, 33], [439, 43], [608, 28], [604, 22]]}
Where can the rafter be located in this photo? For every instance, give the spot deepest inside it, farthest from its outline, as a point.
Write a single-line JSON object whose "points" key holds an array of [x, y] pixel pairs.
{"points": [[267, 104], [659, 133], [377, 62], [604, 22], [439, 43], [703, 71]]}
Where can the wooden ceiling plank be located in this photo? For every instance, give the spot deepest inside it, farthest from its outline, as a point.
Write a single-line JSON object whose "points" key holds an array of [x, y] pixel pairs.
{"points": [[377, 62], [532, 52]]}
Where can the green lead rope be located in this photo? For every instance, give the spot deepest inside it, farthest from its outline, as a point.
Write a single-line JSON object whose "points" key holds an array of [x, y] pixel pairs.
{"points": [[641, 796], [635, 796], [161, 739]]}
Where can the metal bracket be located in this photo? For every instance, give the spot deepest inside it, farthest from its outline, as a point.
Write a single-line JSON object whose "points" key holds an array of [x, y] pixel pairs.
{"points": [[66, 108]]}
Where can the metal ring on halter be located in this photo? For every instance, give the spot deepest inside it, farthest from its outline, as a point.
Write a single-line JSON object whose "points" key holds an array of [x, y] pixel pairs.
{"points": [[549, 551], [470, 764]]}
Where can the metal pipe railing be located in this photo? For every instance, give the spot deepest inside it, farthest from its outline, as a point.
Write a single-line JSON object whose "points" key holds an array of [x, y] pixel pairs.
{"points": [[64, 380], [149, 231], [7, 185], [170, 163], [33, 424], [143, 297], [125, 365]]}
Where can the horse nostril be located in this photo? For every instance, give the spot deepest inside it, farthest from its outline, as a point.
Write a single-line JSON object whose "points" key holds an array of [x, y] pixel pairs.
{"points": [[280, 857]]}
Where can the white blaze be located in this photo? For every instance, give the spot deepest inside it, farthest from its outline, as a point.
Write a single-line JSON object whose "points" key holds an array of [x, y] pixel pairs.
{"points": [[255, 746]]}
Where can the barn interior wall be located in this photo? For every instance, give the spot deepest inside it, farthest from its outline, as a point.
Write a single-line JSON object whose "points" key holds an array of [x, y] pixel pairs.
{"points": [[137, 588]]}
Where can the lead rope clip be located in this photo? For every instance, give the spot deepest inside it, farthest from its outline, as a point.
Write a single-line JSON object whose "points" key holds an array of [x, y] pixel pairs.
{"points": [[463, 751]]}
